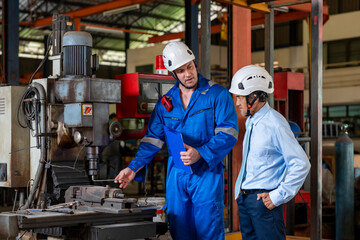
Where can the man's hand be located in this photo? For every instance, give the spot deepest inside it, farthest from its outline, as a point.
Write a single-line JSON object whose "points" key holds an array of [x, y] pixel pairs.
{"points": [[191, 155], [124, 177], [266, 200]]}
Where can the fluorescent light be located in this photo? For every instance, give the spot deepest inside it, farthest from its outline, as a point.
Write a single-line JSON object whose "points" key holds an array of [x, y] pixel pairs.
{"points": [[121, 10], [282, 9], [257, 27], [103, 30]]}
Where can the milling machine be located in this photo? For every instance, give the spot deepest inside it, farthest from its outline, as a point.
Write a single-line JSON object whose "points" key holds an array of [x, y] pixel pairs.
{"points": [[67, 114]]}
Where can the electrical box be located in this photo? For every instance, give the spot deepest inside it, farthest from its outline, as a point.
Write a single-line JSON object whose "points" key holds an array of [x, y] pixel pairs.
{"points": [[140, 93], [14, 141], [289, 96]]}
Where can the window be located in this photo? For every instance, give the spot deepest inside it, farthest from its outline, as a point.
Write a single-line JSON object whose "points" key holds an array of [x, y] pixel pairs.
{"points": [[344, 114], [285, 34], [337, 111], [145, 68], [341, 6], [342, 53], [354, 111]]}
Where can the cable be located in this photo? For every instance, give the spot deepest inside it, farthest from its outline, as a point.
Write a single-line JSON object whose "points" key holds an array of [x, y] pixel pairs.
{"points": [[26, 107], [27, 187], [14, 204], [59, 166], [82, 147], [18, 238], [44, 59]]}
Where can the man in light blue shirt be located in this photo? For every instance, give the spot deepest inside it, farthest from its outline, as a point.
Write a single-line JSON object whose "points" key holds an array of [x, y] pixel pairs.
{"points": [[274, 165]]}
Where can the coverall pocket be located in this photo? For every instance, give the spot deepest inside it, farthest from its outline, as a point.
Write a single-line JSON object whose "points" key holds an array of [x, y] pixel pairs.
{"points": [[172, 121], [200, 111], [219, 214]]}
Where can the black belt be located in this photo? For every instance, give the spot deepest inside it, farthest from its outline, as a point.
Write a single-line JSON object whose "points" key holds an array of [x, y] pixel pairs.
{"points": [[250, 191]]}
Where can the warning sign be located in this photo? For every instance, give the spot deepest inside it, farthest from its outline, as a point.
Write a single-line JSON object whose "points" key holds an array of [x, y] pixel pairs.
{"points": [[87, 110]]}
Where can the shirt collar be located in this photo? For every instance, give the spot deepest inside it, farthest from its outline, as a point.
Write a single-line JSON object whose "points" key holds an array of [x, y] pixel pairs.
{"points": [[260, 114]]}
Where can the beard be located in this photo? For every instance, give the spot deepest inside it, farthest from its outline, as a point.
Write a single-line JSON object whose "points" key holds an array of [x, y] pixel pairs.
{"points": [[187, 87]]}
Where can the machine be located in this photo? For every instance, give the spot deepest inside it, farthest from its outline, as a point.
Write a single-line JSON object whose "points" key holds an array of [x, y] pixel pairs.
{"points": [[66, 115]]}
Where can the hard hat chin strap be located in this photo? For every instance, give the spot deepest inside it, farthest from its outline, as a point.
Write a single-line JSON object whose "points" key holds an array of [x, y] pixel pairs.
{"points": [[250, 104]]}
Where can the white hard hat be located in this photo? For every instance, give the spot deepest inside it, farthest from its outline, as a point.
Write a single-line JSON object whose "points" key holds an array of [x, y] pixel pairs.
{"points": [[250, 79], [176, 54]]}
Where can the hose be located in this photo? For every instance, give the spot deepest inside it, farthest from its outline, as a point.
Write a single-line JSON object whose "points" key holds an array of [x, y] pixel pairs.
{"points": [[42, 97]]}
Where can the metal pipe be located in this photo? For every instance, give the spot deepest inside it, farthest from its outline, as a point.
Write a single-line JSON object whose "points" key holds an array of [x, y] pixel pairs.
{"points": [[191, 28], [316, 24], [21, 197], [101, 180], [40, 169], [205, 39], [269, 46]]}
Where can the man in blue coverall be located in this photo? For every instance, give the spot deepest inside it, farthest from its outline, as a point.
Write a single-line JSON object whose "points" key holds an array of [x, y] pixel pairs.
{"points": [[274, 165], [204, 113]]}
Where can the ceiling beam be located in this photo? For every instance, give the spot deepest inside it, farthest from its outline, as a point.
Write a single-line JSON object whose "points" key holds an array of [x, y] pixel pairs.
{"points": [[257, 1], [156, 16], [121, 25], [257, 19], [103, 36], [96, 9], [115, 29]]}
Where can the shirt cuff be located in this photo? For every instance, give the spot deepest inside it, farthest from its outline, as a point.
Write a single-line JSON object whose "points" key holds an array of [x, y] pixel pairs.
{"points": [[276, 198], [202, 153], [135, 166]]}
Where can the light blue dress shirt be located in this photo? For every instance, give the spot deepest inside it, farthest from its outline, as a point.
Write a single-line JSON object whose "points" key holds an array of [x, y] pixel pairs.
{"points": [[275, 159]]}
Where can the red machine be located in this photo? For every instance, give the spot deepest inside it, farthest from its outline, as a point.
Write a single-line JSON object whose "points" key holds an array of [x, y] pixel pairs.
{"points": [[289, 91], [140, 92], [139, 95]]}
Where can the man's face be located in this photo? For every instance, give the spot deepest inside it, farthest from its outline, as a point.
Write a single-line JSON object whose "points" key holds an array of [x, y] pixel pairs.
{"points": [[241, 104], [187, 75]]}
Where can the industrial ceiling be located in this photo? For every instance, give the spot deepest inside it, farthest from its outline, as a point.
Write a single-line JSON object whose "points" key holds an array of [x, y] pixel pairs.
{"points": [[106, 20]]}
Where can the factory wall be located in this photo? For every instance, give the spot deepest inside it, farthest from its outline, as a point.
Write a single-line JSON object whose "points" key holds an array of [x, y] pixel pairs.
{"points": [[340, 85]]}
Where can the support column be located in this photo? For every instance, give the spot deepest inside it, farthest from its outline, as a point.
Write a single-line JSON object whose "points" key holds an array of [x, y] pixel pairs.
{"points": [[10, 45], [230, 177], [205, 65], [127, 46], [47, 62], [269, 46], [77, 22], [191, 28], [316, 117], [241, 21]]}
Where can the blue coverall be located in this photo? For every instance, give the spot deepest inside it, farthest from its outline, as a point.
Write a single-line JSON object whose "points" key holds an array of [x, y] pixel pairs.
{"points": [[194, 201]]}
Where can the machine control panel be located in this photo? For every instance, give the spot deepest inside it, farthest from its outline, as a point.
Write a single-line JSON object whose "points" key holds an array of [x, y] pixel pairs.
{"points": [[150, 91]]}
